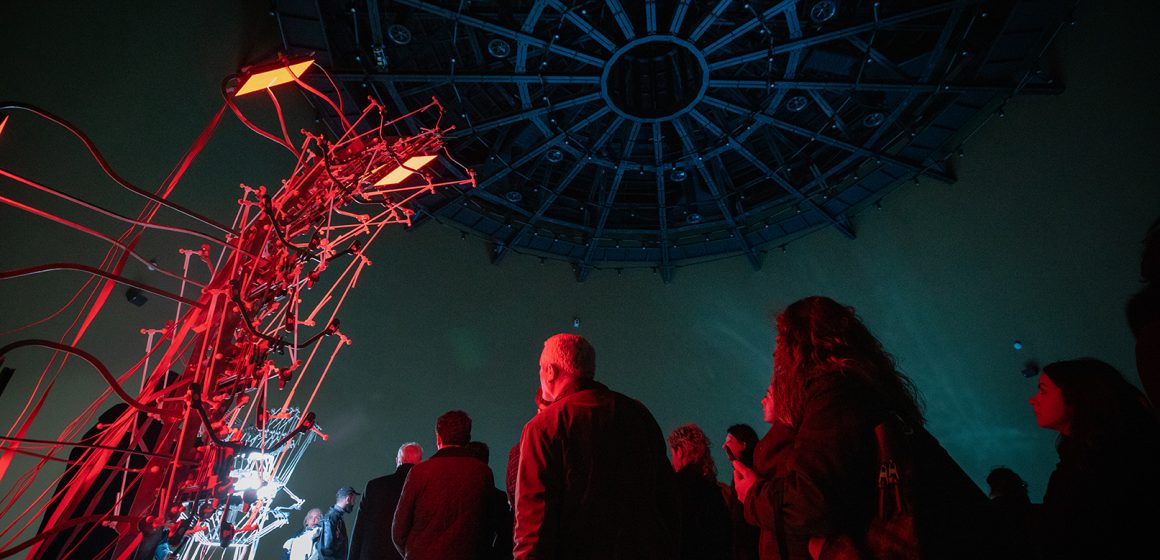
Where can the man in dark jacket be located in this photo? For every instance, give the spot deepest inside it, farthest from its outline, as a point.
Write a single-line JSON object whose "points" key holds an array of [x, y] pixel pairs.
{"points": [[372, 531], [333, 542], [443, 513], [594, 479]]}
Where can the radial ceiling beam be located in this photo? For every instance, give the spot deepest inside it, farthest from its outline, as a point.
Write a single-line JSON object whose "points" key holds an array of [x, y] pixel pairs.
{"points": [[679, 17], [876, 56], [824, 105], [708, 21], [841, 86], [504, 32], [621, 18], [482, 187], [582, 24], [835, 35], [514, 240], [529, 25], [940, 46], [375, 20], [842, 224], [444, 78], [792, 60], [748, 26], [586, 265], [801, 131], [525, 114], [718, 196], [650, 17], [662, 210], [542, 148]]}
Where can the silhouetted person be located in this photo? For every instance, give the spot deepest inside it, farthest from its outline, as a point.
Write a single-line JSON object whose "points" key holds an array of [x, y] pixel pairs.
{"points": [[513, 465], [372, 530], [704, 520], [1012, 514], [88, 540], [102, 494], [740, 443], [1144, 316], [815, 488], [594, 479], [500, 512], [1101, 498], [333, 540], [444, 511]]}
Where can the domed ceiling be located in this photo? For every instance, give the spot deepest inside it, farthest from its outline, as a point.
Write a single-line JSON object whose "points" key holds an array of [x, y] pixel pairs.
{"points": [[658, 134]]}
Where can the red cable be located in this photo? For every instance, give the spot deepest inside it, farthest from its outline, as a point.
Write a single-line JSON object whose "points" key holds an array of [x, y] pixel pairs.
{"points": [[109, 170], [100, 367], [113, 278], [50, 317], [255, 128], [109, 213], [99, 235], [282, 121]]}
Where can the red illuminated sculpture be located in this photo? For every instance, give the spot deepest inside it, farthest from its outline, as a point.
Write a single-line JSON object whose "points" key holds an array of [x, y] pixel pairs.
{"points": [[198, 454]]}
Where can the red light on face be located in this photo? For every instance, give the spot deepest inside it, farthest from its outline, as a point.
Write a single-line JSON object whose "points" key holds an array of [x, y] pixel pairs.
{"points": [[402, 172], [273, 77]]}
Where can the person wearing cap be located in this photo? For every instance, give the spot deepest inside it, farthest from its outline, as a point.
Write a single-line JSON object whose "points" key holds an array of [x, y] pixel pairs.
{"points": [[332, 544]]}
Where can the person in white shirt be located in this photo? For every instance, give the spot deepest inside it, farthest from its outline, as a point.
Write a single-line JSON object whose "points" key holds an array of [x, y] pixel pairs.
{"points": [[301, 546]]}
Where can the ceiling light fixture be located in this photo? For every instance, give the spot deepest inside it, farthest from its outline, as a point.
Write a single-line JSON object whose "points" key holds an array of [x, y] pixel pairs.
{"points": [[398, 174], [267, 76]]}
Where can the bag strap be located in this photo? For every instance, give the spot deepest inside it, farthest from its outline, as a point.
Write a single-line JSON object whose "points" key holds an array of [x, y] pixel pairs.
{"points": [[779, 523], [890, 436]]}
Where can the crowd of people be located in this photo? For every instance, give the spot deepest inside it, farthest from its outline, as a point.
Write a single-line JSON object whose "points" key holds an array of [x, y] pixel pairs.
{"points": [[593, 476], [845, 471]]}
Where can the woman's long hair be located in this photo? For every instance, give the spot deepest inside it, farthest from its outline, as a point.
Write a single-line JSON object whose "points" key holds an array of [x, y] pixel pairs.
{"points": [[817, 335], [1105, 408]]}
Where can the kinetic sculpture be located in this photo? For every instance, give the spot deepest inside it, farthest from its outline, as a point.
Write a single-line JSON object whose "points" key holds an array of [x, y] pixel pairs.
{"points": [[198, 458]]}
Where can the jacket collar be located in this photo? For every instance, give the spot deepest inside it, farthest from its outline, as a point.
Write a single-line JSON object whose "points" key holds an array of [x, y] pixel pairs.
{"points": [[454, 451], [581, 385]]}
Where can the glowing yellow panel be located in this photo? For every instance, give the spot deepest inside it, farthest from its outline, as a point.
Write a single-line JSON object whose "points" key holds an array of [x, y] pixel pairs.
{"points": [[399, 173], [271, 78]]}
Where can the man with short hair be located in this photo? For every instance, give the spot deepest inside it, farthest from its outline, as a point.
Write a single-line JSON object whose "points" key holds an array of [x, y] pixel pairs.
{"points": [[332, 542], [443, 512], [372, 530], [594, 479]]}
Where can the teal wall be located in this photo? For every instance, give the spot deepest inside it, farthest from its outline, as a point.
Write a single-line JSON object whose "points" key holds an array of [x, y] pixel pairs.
{"points": [[1037, 241]]}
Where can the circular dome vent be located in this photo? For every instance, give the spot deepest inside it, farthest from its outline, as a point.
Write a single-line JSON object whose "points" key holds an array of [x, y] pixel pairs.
{"points": [[617, 134]]}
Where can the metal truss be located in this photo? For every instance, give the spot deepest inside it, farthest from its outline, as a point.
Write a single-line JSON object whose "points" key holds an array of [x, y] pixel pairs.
{"points": [[617, 134]]}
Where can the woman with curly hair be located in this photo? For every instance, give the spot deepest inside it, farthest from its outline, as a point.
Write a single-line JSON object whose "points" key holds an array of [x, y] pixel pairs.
{"points": [[705, 526], [813, 489], [1101, 499]]}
